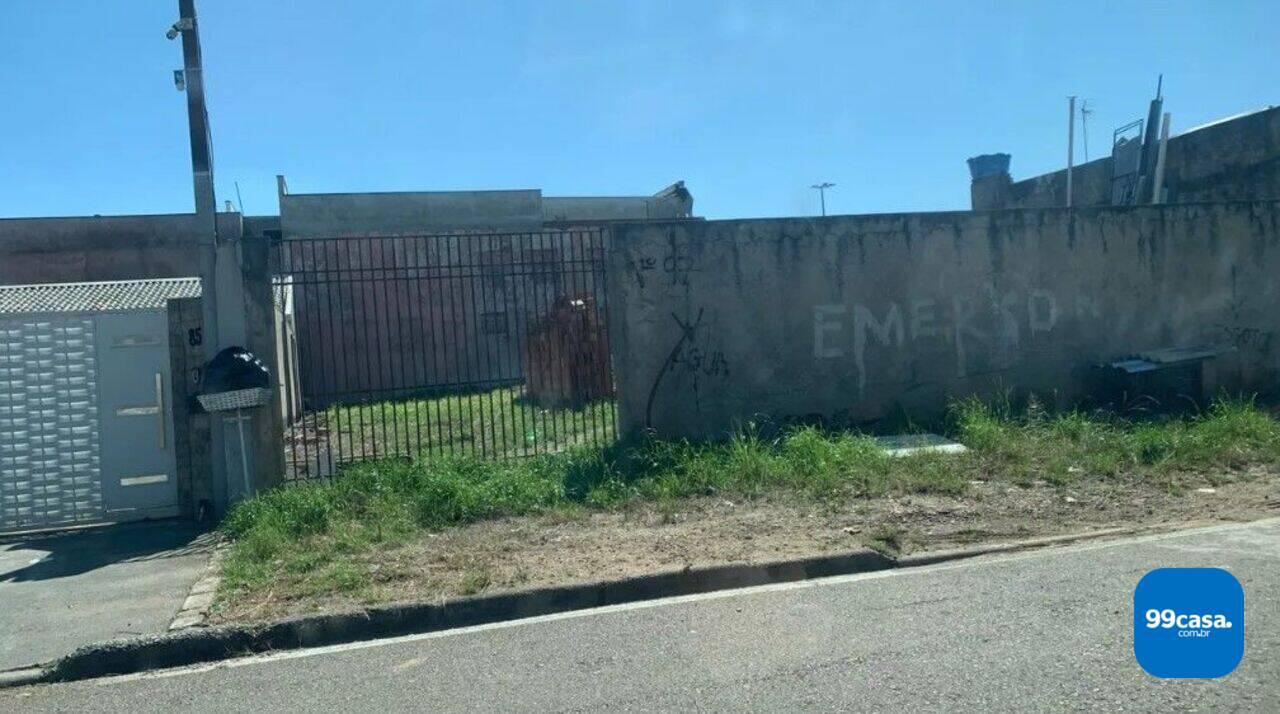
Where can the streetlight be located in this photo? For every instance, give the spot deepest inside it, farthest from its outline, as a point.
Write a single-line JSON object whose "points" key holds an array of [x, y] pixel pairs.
{"points": [[822, 193]]}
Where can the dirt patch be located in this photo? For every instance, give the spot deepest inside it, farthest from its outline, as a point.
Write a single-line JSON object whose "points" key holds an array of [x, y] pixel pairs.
{"points": [[584, 546]]}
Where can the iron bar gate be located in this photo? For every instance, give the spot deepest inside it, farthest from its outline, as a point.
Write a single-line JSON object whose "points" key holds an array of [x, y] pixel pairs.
{"points": [[491, 345]]}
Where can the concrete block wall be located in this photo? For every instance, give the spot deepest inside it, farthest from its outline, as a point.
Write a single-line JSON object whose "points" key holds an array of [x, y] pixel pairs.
{"points": [[260, 328], [1232, 160], [853, 319], [191, 429], [95, 248]]}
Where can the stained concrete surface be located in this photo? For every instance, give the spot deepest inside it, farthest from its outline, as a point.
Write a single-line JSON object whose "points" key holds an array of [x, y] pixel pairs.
{"points": [[1043, 631], [61, 591], [854, 319]]}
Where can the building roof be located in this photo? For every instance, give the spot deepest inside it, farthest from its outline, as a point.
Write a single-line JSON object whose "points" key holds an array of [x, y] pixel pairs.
{"points": [[113, 296]]}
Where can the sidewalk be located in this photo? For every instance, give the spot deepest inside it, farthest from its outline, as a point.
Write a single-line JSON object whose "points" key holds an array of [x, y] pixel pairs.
{"points": [[61, 591]]}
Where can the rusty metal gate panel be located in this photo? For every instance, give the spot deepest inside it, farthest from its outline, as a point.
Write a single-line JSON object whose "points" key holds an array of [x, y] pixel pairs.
{"points": [[491, 345]]}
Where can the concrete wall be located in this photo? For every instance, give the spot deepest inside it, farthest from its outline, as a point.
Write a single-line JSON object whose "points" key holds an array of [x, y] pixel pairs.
{"points": [[260, 331], [79, 249], [853, 319], [190, 426], [358, 214], [365, 214], [610, 208], [1235, 159]]}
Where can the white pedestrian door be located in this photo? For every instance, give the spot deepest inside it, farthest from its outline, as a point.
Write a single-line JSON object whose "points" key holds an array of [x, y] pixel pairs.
{"points": [[85, 419]]}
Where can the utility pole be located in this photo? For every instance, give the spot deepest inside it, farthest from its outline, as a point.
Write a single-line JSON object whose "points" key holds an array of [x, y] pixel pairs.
{"points": [[822, 193], [201, 168], [206, 209], [1085, 111], [1150, 148], [1071, 142]]}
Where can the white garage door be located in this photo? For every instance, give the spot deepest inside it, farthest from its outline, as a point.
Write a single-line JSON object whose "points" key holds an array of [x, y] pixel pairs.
{"points": [[85, 426], [49, 452]]}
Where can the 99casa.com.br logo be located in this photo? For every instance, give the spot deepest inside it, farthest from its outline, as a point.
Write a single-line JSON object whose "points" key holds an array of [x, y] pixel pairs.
{"points": [[1187, 625], [1188, 622]]}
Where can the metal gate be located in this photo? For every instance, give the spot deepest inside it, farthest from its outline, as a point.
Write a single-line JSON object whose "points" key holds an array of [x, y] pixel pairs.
{"points": [[491, 345]]}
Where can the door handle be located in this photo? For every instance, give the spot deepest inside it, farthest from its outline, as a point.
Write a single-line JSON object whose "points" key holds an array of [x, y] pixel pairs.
{"points": [[160, 416]]}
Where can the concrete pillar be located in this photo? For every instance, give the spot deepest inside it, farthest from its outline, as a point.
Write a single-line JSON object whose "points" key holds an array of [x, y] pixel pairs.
{"points": [[990, 188]]}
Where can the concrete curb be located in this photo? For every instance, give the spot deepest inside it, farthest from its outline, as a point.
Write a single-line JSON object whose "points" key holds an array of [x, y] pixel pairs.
{"points": [[195, 608], [196, 645], [941, 556], [23, 677]]}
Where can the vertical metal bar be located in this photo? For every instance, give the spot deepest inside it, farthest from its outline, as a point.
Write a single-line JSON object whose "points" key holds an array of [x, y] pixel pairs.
{"points": [[457, 345], [379, 310], [593, 414], [430, 369], [412, 286], [339, 339], [306, 306], [497, 348], [568, 348], [382, 316], [299, 311], [559, 286], [314, 336], [481, 341], [440, 337], [506, 400], [398, 348], [516, 311], [308, 383], [528, 309], [325, 357], [368, 441], [496, 415], [471, 347], [544, 284], [572, 350], [323, 298], [475, 402], [581, 414]]}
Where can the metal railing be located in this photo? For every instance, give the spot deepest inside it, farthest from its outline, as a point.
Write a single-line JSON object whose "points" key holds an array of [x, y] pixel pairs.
{"points": [[490, 345]]}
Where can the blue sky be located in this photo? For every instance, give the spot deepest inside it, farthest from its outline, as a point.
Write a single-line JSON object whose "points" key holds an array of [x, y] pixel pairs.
{"points": [[749, 102]]}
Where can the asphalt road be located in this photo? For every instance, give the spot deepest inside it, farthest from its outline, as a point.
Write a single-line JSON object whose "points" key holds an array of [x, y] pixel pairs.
{"points": [[1049, 630], [64, 590]]}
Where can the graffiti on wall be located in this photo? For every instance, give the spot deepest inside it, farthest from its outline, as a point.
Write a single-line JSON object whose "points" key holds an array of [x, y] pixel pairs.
{"points": [[692, 358], [998, 322]]}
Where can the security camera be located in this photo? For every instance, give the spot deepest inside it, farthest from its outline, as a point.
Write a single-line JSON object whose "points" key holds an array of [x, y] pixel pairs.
{"points": [[179, 26]]}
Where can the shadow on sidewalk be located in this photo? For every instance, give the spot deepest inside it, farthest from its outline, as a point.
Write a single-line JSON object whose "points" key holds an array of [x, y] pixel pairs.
{"points": [[73, 553]]}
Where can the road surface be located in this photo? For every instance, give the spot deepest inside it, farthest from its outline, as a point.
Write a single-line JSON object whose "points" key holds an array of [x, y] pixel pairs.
{"points": [[1048, 630]]}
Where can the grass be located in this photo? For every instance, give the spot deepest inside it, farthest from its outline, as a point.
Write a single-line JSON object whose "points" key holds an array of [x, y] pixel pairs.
{"points": [[308, 538], [1061, 448], [497, 422]]}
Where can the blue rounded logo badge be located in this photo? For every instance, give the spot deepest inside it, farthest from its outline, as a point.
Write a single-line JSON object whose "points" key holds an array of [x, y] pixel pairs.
{"points": [[1188, 623]]}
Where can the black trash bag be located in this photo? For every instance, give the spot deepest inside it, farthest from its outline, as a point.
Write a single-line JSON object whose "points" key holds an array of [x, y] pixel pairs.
{"points": [[234, 368]]}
